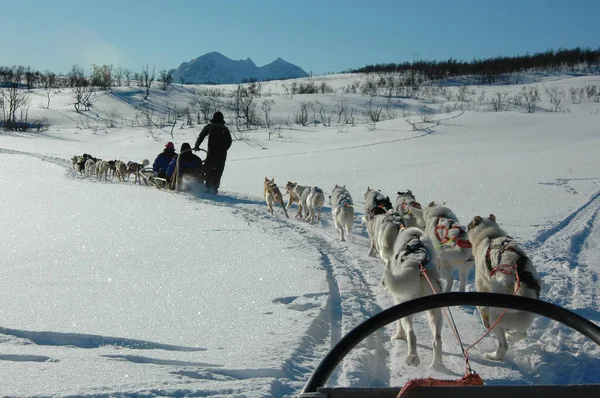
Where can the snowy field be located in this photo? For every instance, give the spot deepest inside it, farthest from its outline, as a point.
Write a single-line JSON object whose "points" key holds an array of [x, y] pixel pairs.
{"points": [[117, 289]]}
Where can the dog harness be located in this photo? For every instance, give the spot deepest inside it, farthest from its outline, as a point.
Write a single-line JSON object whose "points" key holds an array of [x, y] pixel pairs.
{"points": [[499, 246], [446, 225], [405, 206]]}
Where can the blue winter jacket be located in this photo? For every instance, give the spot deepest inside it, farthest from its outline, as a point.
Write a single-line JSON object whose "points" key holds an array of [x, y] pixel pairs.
{"points": [[162, 161], [187, 160]]}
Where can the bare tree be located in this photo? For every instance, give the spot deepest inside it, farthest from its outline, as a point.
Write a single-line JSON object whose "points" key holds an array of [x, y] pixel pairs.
{"points": [[82, 91], [266, 107], [146, 79], [127, 74], [373, 113], [341, 108], [48, 82], [556, 98], [118, 75], [500, 101], [531, 95], [165, 78], [302, 117], [14, 103]]}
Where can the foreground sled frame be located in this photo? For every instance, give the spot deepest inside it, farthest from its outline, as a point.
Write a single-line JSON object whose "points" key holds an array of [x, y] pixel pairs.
{"points": [[314, 386]]}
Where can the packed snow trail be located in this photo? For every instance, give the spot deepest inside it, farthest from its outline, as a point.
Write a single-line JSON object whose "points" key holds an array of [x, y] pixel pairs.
{"points": [[563, 254]]}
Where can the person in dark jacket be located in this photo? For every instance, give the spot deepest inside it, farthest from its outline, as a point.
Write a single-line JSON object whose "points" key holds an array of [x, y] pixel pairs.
{"points": [[186, 160], [219, 142], [161, 163]]}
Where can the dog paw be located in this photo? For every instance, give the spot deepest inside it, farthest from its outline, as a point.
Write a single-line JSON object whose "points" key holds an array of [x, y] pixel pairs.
{"points": [[413, 360], [399, 336], [438, 367], [492, 356]]}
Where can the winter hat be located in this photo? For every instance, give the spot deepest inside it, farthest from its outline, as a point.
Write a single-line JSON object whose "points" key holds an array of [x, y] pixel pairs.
{"points": [[185, 147], [218, 118], [170, 145]]}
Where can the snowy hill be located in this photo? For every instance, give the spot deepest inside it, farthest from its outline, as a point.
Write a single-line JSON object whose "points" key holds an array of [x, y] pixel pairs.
{"points": [[217, 68], [117, 289]]}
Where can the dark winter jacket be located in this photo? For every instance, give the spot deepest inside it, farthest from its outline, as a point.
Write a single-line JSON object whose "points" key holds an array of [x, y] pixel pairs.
{"points": [[219, 138], [161, 163], [187, 160]]}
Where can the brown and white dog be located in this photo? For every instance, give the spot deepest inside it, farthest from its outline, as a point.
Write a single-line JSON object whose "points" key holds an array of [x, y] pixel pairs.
{"points": [[136, 169], [295, 193], [273, 195], [451, 243], [502, 266]]}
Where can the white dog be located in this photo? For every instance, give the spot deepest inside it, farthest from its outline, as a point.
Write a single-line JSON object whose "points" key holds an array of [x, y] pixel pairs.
{"points": [[451, 243], [90, 167], [296, 193], [383, 231], [501, 266], [342, 211], [102, 169], [314, 204], [405, 281], [410, 209], [375, 203]]}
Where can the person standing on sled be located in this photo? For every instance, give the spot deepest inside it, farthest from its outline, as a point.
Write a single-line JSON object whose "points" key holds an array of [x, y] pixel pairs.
{"points": [[219, 141], [161, 163]]}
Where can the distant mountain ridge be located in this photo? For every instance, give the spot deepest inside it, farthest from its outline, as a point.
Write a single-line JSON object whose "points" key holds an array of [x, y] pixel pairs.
{"points": [[217, 68]]}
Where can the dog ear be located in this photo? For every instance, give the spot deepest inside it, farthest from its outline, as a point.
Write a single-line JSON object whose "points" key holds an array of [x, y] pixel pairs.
{"points": [[493, 217], [266, 179], [477, 220], [431, 204], [409, 191]]}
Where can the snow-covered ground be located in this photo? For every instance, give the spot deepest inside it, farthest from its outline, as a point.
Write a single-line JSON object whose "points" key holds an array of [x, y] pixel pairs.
{"points": [[113, 288]]}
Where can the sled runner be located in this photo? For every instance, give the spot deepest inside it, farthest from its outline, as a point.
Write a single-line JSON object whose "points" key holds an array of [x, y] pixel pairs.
{"points": [[471, 385]]}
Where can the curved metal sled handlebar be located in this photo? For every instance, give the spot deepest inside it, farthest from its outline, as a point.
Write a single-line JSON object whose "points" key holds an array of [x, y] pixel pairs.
{"points": [[359, 333]]}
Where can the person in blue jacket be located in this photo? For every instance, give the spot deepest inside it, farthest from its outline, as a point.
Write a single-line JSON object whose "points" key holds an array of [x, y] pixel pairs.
{"points": [[161, 163], [186, 160]]}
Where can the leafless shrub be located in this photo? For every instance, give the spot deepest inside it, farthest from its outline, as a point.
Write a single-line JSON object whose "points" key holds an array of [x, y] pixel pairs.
{"points": [[500, 101], [531, 96], [556, 96]]}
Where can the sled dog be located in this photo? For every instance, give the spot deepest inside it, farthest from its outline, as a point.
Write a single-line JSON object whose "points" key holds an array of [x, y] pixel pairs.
{"points": [[121, 170], [314, 204], [296, 192], [383, 231], [451, 244], [273, 195], [375, 203], [342, 211], [102, 169], [405, 281], [501, 266], [136, 169], [410, 209]]}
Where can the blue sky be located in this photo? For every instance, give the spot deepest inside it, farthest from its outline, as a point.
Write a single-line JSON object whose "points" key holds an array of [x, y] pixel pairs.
{"points": [[320, 36]]}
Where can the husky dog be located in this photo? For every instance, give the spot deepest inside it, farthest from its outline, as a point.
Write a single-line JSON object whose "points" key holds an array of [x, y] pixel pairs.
{"points": [[375, 203], [74, 161], [296, 192], [136, 169], [102, 169], [90, 167], [501, 266], [342, 211], [404, 279], [410, 209], [121, 170], [383, 230], [273, 195], [450, 240], [314, 204]]}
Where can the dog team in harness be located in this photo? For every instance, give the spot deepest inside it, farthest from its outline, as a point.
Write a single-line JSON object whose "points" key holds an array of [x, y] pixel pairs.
{"points": [[169, 168]]}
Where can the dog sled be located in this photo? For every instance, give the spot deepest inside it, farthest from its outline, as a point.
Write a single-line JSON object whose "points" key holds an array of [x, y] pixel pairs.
{"points": [[471, 385], [176, 182]]}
